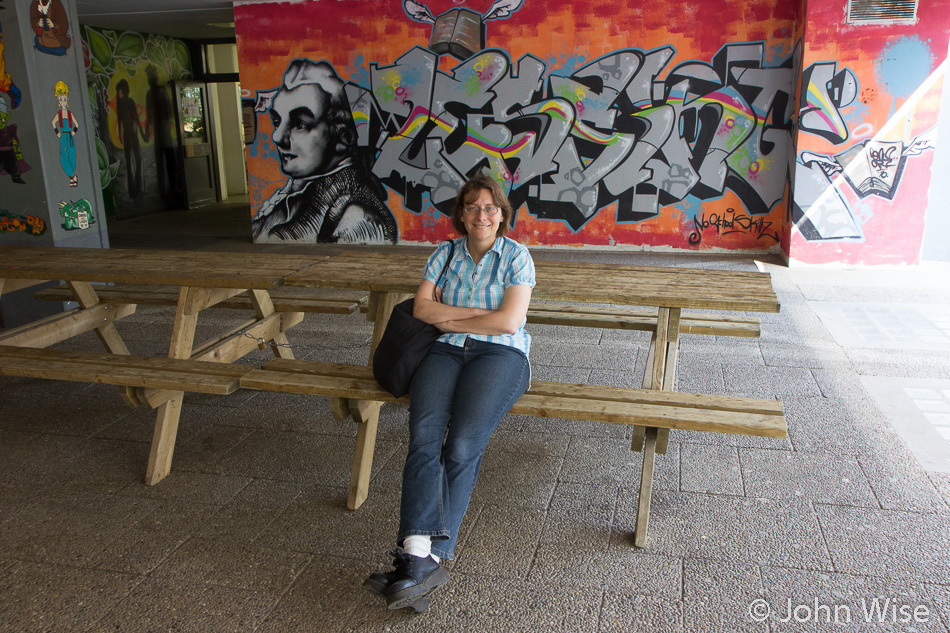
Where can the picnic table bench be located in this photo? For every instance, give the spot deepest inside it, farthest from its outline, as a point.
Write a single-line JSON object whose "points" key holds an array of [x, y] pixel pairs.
{"points": [[206, 280], [652, 298]]}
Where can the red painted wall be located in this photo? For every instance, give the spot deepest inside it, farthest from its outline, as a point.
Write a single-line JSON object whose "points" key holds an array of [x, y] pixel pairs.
{"points": [[680, 137]]}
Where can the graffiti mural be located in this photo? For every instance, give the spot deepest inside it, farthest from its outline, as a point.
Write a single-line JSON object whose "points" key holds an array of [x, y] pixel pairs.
{"points": [[566, 147], [29, 224], [329, 195], [129, 76], [740, 124], [830, 187]]}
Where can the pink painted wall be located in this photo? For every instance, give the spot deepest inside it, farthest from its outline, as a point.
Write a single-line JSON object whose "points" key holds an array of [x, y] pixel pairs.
{"points": [[864, 161]]}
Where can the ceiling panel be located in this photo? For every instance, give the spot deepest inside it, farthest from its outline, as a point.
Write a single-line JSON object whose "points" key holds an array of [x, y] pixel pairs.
{"points": [[189, 19]]}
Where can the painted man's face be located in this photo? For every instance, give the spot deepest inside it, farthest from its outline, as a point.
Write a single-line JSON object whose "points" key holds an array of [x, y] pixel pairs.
{"points": [[301, 133], [3, 119]]}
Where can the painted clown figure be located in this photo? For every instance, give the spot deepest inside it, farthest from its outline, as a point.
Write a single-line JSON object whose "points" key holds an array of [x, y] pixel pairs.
{"points": [[65, 127]]}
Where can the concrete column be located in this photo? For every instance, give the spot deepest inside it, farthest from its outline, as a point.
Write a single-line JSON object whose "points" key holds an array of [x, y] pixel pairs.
{"points": [[60, 172], [50, 194]]}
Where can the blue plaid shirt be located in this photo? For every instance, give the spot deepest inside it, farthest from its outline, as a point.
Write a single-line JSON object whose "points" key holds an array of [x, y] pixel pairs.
{"points": [[466, 284]]}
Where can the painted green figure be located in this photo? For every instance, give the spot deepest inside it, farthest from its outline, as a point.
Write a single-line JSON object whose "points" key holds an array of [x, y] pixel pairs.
{"points": [[11, 157]]}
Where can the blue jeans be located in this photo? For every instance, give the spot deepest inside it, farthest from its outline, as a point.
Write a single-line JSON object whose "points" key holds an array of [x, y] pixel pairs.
{"points": [[458, 397]]}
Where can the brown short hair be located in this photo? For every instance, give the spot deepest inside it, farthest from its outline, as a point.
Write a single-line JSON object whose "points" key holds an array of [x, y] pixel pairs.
{"points": [[469, 192]]}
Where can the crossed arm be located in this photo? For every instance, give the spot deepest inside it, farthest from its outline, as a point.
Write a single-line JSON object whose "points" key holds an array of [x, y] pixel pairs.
{"points": [[505, 320]]}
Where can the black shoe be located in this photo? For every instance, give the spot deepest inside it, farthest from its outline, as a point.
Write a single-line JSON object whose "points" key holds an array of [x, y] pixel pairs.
{"points": [[379, 582], [422, 576]]}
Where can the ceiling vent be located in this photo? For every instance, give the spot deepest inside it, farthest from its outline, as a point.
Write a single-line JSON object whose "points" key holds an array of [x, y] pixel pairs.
{"points": [[882, 11]]}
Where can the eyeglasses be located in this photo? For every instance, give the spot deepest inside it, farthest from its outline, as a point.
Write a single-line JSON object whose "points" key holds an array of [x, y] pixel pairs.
{"points": [[489, 210]]}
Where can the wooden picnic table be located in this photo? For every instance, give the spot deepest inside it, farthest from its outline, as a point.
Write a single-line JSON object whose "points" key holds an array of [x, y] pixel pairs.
{"points": [[204, 279], [391, 277]]}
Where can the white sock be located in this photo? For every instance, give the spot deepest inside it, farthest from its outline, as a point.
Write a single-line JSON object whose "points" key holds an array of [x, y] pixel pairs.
{"points": [[419, 545]]}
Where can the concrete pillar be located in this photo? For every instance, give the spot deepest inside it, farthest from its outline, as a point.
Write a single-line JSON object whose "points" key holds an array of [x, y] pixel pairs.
{"points": [[60, 172], [49, 189]]}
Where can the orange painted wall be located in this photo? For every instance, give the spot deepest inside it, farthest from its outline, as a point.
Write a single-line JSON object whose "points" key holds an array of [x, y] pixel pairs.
{"points": [[353, 35]]}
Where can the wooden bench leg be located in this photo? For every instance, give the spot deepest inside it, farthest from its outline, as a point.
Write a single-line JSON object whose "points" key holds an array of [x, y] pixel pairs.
{"points": [[169, 412], [366, 414], [87, 298], [264, 306], [646, 489], [163, 441]]}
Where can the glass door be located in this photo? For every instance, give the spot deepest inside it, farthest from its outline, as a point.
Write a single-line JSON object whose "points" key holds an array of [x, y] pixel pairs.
{"points": [[191, 108]]}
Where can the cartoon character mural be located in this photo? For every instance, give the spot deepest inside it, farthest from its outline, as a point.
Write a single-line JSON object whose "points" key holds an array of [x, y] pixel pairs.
{"points": [[11, 156], [6, 81], [76, 215], [329, 195], [51, 25], [66, 127]]}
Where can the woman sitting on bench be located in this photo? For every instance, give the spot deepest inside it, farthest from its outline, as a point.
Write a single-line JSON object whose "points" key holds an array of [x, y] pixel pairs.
{"points": [[466, 384]]}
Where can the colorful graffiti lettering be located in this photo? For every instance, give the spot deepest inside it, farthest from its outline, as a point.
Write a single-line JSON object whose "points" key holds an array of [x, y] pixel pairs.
{"points": [[21, 223], [567, 146]]}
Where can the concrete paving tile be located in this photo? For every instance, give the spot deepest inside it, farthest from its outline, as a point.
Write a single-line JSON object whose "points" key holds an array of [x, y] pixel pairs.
{"points": [[51, 597], [576, 375], [140, 546], [557, 426], [838, 383], [940, 597], [611, 378], [469, 602], [899, 481], [71, 412], [900, 363], [622, 613], [39, 461], [191, 486], [801, 601], [512, 439], [299, 413], [248, 567], [711, 469], [941, 482], [826, 425], [887, 543], [729, 439], [327, 596], [266, 454], [609, 461], [769, 382], [317, 520], [517, 479], [69, 527], [497, 542], [251, 511], [700, 375], [717, 596], [108, 466], [188, 607], [621, 358], [819, 477], [574, 550], [551, 335], [806, 353], [720, 527]]}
